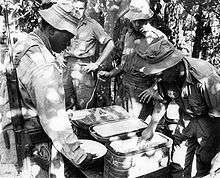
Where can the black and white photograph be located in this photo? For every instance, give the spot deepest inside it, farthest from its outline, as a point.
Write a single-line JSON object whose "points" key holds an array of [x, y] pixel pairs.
{"points": [[109, 88]]}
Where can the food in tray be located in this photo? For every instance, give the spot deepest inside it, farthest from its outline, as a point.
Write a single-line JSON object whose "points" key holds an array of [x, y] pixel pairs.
{"points": [[92, 116], [88, 120], [94, 148], [134, 144], [119, 127], [93, 156]]}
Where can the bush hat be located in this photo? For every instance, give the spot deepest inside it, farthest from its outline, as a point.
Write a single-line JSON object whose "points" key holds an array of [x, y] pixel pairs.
{"points": [[159, 56], [62, 16], [138, 10]]}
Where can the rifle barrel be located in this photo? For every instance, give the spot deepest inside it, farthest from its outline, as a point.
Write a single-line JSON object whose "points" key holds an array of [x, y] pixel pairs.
{"points": [[14, 97]]}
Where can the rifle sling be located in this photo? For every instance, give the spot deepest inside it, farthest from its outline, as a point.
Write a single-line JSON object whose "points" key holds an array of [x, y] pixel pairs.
{"points": [[16, 115], [23, 138]]}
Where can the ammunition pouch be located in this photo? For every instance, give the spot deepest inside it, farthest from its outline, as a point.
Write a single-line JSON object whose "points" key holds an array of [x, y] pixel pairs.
{"points": [[34, 143], [39, 147], [33, 135], [37, 136]]}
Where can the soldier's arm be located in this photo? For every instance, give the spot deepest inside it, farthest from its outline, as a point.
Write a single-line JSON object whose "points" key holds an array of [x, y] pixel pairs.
{"points": [[210, 90], [105, 40], [158, 113], [53, 117], [44, 85]]}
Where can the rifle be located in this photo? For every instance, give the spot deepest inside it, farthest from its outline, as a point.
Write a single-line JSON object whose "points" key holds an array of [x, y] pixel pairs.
{"points": [[17, 119]]}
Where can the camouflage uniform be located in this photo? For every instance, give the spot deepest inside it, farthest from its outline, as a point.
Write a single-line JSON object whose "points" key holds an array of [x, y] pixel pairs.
{"points": [[199, 105], [42, 92]]}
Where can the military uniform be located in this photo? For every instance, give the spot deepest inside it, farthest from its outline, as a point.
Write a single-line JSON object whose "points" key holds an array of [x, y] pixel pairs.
{"points": [[84, 49], [198, 100], [42, 94]]}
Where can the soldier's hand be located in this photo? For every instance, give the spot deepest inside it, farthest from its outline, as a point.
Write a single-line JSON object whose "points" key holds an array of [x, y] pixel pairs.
{"points": [[152, 32], [104, 75], [88, 161], [78, 155], [148, 94], [215, 165], [60, 60], [147, 134], [90, 67]]}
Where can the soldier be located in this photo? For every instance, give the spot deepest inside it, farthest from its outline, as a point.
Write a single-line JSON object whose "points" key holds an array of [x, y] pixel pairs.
{"points": [[193, 85], [83, 59], [134, 82], [41, 89]]}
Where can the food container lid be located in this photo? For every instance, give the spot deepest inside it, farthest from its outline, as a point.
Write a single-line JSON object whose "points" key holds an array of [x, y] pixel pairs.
{"points": [[115, 130], [135, 145], [88, 117]]}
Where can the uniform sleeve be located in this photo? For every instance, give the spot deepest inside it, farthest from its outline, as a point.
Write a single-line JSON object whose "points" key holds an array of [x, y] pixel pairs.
{"points": [[128, 44], [100, 33], [44, 85], [211, 91]]}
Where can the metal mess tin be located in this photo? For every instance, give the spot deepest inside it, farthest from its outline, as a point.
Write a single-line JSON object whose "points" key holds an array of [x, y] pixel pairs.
{"points": [[116, 130], [147, 158]]}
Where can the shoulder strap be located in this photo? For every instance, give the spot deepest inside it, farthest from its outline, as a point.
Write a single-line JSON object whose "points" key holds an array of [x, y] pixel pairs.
{"points": [[22, 50]]}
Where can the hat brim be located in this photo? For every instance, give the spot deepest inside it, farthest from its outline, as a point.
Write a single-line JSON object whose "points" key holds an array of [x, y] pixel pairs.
{"points": [[132, 15], [169, 61], [123, 12], [58, 21]]}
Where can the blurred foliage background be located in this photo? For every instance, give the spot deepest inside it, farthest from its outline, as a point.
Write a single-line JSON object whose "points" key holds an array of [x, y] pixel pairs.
{"points": [[192, 26]]}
